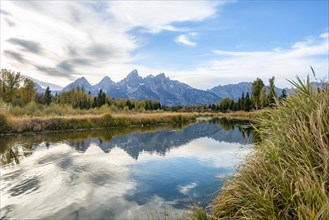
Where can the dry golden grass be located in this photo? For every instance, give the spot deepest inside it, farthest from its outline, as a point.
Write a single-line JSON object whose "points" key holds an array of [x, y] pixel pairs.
{"points": [[86, 121]]}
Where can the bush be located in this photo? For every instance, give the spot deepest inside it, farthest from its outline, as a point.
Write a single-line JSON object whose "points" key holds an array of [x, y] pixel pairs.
{"points": [[4, 125], [107, 121]]}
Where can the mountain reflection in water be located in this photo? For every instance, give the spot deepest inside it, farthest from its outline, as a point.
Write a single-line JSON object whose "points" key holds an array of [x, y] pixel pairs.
{"points": [[117, 173]]}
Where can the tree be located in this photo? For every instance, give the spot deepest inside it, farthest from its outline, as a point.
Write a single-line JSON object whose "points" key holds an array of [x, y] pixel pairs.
{"points": [[28, 90], [256, 88], [101, 98], [47, 96], [248, 103], [271, 92], [262, 97], [283, 95], [242, 101], [225, 104], [10, 81]]}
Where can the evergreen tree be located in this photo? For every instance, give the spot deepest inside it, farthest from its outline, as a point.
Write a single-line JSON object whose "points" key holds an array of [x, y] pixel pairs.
{"points": [[231, 105], [247, 103], [101, 98], [284, 94], [239, 103], [242, 101], [47, 96]]}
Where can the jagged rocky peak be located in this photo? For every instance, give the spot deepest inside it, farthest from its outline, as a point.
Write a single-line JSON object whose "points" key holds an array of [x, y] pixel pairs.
{"points": [[162, 76], [106, 80], [133, 74], [82, 81]]}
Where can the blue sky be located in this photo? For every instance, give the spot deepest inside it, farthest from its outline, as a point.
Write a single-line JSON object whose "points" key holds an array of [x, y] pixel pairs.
{"points": [[202, 43]]}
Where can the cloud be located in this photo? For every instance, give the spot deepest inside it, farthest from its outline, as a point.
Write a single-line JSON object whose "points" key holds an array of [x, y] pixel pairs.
{"points": [[16, 56], [67, 39], [245, 66], [324, 35], [9, 22], [187, 188], [44, 84], [65, 66], [57, 41], [30, 46], [3, 12], [158, 16], [60, 71], [185, 39]]}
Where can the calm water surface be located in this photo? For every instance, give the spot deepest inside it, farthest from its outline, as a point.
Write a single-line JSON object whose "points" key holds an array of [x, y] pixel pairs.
{"points": [[118, 173]]}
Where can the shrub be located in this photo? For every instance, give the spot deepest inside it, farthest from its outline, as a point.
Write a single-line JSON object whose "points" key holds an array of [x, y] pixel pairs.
{"points": [[4, 125], [107, 120]]}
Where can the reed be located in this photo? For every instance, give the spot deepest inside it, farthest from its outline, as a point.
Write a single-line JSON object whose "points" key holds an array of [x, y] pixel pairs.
{"points": [[287, 176]]}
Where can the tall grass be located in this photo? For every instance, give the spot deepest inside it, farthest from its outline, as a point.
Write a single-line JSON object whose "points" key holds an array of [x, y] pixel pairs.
{"points": [[10, 124], [287, 177]]}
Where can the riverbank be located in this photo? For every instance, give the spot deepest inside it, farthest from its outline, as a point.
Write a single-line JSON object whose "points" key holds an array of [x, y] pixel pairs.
{"points": [[23, 124], [287, 177]]}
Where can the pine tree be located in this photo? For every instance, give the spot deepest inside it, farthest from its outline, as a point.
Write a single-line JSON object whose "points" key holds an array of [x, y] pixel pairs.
{"points": [[247, 103], [47, 96], [283, 95], [242, 100], [101, 98]]}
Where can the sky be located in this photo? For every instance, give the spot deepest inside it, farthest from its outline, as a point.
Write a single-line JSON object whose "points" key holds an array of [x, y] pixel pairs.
{"points": [[201, 43]]}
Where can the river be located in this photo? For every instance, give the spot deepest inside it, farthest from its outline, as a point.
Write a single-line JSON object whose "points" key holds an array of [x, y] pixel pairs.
{"points": [[128, 173]]}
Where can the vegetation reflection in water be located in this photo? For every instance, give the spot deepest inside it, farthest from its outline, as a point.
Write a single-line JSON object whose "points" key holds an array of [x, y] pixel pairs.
{"points": [[117, 173]]}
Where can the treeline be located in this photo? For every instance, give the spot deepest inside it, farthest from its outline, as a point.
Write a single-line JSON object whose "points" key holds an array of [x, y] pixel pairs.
{"points": [[259, 98], [78, 98], [19, 91]]}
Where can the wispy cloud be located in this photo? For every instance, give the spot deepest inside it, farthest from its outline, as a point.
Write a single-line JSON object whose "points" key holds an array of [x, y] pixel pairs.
{"points": [[57, 41], [186, 39], [55, 36], [16, 56], [30, 46], [283, 63], [160, 15]]}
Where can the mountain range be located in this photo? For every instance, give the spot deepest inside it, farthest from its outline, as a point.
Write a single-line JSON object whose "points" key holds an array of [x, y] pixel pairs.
{"points": [[160, 87]]}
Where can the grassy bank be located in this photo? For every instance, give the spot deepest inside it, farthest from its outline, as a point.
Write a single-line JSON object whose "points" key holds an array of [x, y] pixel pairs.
{"points": [[287, 177], [11, 124], [252, 116]]}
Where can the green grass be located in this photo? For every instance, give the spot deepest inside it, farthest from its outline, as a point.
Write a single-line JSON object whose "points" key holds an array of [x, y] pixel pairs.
{"points": [[287, 177]]}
